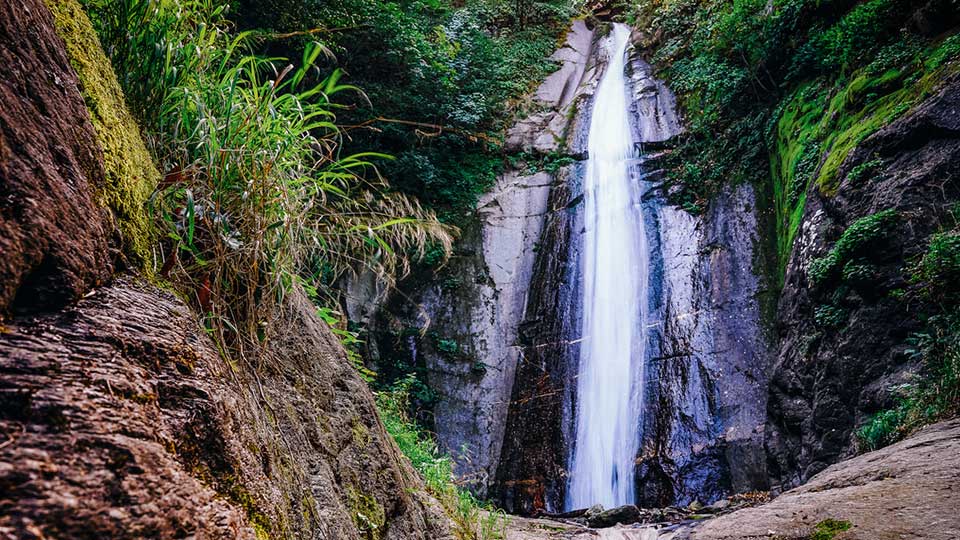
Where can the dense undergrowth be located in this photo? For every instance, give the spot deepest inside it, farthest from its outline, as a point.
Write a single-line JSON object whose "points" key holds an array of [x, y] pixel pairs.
{"points": [[787, 87], [441, 78], [256, 192], [260, 192]]}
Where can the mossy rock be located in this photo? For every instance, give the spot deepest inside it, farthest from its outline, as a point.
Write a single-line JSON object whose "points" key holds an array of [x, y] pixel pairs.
{"points": [[130, 172], [367, 514], [829, 528]]}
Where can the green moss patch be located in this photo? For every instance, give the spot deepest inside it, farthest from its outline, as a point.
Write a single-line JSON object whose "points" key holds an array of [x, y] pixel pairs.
{"points": [[822, 122], [130, 173], [829, 528], [367, 514]]}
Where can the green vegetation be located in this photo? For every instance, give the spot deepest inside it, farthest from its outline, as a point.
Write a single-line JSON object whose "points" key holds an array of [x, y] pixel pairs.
{"points": [[256, 193], [939, 269], [935, 393], [828, 529], [861, 239], [791, 87], [436, 468], [441, 79]]}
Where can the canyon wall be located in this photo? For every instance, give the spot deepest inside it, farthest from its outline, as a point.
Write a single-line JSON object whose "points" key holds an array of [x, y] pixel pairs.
{"points": [[829, 379]]}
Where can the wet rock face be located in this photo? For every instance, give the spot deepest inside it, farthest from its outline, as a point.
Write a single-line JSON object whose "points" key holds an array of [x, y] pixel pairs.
{"points": [[472, 310], [532, 476], [122, 421], [828, 381], [708, 356], [53, 237]]}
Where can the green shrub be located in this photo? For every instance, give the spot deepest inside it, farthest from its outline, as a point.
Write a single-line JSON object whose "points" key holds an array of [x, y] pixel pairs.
{"points": [[829, 316], [882, 429], [823, 269], [861, 239], [939, 269], [866, 234], [256, 194], [442, 78], [472, 522], [868, 26]]}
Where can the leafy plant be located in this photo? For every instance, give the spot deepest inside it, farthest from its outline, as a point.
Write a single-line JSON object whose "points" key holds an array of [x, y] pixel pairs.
{"points": [[860, 239], [934, 396], [828, 529], [859, 174], [939, 269], [256, 193], [472, 521], [829, 316]]}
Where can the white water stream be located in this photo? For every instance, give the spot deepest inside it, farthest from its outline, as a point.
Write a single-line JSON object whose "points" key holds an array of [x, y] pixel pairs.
{"points": [[615, 266]]}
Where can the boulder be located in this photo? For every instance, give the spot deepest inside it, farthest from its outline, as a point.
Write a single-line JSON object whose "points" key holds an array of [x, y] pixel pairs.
{"points": [[623, 515]]}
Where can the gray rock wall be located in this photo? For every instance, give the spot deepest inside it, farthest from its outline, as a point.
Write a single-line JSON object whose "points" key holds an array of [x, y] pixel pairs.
{"points": [[708, 357]]}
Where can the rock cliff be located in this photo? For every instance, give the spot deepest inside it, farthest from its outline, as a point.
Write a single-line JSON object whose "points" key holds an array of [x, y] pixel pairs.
{"points": [[828, 380], [501, 321], [119, 417]]}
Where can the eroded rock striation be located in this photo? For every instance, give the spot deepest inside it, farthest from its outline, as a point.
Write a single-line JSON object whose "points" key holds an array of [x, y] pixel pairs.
{"points": [[53, 236]]}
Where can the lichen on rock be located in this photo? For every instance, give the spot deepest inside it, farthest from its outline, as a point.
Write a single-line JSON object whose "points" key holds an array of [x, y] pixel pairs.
{"points": [[130, 173]]}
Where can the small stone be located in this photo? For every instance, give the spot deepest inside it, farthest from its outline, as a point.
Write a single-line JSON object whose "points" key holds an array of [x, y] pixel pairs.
{"points": [[593, 511], [719, 506], [695, 506], [624, 515]]}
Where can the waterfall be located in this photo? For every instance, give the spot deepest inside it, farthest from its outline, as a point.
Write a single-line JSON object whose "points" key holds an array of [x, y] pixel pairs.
{"points": [[612, 364]]}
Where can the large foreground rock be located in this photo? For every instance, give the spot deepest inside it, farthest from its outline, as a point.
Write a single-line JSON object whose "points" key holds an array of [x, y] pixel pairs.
{"points": [[119, 419], [908, 490]]}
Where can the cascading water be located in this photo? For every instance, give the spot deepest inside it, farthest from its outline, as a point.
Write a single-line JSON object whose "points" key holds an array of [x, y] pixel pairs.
{"points": [[615, 267]]}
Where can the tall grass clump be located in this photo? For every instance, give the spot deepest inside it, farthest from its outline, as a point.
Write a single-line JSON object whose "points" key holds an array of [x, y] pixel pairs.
{"points": [[471, 520], [256, 193]]}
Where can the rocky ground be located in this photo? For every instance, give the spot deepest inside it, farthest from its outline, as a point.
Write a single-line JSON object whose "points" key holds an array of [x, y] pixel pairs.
{"points": [[905, 491]]}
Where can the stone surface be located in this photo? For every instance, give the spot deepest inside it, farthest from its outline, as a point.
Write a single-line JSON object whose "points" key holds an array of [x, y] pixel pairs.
{"points": [[544, 130], [653, 105], [120, 420], [623, 515], [827, 382], [907, 490], [709, 357], [53, 237]]}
